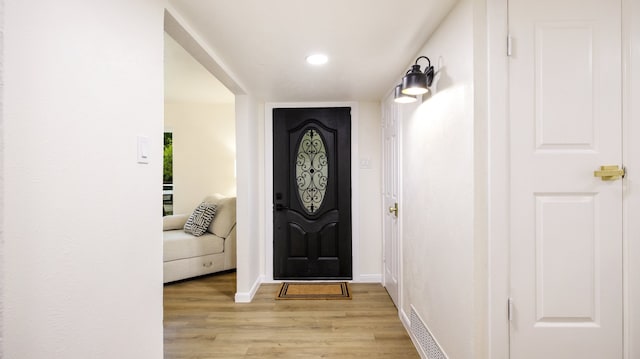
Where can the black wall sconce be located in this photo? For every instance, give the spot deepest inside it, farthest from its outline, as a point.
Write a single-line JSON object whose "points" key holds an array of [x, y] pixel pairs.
{"points": [[415, 82]]}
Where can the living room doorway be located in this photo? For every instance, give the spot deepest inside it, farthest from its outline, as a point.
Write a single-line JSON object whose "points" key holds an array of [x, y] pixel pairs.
{"points": [[199, 166]]}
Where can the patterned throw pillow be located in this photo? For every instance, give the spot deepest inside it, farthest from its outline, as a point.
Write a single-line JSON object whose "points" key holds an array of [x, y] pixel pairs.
{"points": [[200, 219]]}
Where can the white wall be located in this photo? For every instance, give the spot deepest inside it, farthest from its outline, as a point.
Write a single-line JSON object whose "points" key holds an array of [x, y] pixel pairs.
{"points": [[370, 184], [83, 279], [438, 190], [249, 275], [204, 151]]}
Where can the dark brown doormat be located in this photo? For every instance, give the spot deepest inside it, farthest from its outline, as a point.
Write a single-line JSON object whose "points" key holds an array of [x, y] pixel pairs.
{"points": [[314, 290]]}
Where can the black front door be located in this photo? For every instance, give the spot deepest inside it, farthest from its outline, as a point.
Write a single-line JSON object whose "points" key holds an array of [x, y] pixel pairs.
{"points": [[312, 193]]}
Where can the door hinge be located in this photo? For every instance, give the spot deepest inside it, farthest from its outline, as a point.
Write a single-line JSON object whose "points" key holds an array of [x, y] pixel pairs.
{"points": [[508, 45], [509, 309]]}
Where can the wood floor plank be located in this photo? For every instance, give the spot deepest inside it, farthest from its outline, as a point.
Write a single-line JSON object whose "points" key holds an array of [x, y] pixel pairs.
{"points": [[202, 321]]}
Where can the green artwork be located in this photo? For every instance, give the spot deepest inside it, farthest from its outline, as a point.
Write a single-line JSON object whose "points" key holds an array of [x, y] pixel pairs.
{"points": [[168, 158]]}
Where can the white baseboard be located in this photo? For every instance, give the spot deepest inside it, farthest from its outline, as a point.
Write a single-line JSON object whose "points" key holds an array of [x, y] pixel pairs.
{"points": [[370, 278], [247, 297], [404, 318]]}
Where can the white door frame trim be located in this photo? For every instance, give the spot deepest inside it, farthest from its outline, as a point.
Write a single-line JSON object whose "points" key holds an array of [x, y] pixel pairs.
{"points": [[631, 159], [268, 183]]}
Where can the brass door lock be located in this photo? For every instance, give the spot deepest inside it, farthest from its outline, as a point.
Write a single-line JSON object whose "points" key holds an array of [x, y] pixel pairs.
{"points": [[394, 209], [610, 173]]}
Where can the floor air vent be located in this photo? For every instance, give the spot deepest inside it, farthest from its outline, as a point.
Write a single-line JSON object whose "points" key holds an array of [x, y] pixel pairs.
{"points": [[423, 337]]}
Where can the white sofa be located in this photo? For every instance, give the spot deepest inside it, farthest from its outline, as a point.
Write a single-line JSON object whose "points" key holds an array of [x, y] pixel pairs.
{"points": [[187, 256]]}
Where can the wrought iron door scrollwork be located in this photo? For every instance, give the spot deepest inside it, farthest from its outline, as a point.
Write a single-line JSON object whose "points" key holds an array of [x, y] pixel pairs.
{"points": [[312, 170]]}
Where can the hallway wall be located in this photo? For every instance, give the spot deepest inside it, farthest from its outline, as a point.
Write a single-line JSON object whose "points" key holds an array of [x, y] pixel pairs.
{"points": [[438, 190], [370, 182], [82, 79]]}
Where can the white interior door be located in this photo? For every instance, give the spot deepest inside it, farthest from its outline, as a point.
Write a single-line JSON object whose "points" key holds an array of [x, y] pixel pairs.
{"points": [[565, 80], [391, 253]]}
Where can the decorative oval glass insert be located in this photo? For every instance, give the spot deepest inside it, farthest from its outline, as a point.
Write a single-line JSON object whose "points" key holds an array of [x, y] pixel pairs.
{"points": [[312, 169]]}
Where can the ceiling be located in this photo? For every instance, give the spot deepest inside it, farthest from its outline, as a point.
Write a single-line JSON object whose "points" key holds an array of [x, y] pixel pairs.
{"points": [[263, 43]]}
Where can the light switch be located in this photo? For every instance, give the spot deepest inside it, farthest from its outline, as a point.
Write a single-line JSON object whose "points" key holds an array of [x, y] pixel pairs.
{"points": [[143, 149]]}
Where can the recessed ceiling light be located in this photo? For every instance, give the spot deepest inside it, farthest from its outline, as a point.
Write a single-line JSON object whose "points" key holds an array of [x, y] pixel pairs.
{"points": [[317, 59]]}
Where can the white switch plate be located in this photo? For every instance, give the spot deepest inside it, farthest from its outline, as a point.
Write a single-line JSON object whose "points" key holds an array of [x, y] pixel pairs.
{"points": [[143, 149], [365, 163]]}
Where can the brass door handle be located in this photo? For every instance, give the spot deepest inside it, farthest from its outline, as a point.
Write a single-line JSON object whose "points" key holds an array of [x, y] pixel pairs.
{"points": [[610, 173], [394, 209]]}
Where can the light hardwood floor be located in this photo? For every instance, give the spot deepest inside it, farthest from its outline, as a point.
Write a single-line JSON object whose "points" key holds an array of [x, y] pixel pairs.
{"points": [[202, 321]]}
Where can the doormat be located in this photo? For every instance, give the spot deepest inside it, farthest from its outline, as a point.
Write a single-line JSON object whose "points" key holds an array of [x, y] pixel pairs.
{"points": [[314, 290]]}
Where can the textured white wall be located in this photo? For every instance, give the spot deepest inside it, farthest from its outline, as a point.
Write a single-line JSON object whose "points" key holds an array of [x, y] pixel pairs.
{"points": [[438, 190], [249, 250], [82, 80], [369, 143], [204, 151]]}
